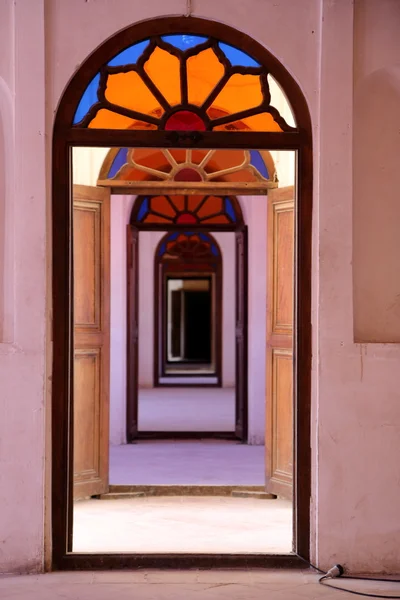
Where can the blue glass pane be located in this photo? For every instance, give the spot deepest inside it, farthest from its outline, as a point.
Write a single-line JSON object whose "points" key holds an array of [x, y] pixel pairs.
{"points": [[129, 56], [183, 42], [172, 237], [204, 237], [89, 98], [214, 249], [186, 233], [118, 162], [257, 161], [163, 249], [229, 209], [143, 209], [236, 57]]}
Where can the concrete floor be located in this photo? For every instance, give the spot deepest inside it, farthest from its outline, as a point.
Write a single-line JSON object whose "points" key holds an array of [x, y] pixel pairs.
{"points": [[204, 462], [187, 409], [182, 585], [183, 524]]}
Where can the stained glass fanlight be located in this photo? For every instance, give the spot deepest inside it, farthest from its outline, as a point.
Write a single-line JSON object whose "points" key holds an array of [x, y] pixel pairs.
{"points": [[214, 166], [182, 82], [188, 246], [187, 210]]}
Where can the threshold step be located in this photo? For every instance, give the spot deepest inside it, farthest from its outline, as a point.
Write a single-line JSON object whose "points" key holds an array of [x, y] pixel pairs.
{"points": [[119, 496], [122, 491], [249, 494]]}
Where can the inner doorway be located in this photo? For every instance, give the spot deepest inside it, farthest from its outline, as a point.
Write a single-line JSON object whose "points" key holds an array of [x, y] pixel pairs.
{"points": [[72, 127], [193, 253]]}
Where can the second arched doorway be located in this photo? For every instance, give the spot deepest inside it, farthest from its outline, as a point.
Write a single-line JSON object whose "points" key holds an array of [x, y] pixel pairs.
{"points": [[196, 255]]}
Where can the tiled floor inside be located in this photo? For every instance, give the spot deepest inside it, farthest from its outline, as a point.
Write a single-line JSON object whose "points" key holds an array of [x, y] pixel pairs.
{"points": [[203, 462], [183, 585], [183, 524], [187, 409]]}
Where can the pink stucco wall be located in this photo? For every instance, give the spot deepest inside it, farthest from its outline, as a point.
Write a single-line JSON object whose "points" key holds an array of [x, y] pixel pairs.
{"points": [[356, 407]]}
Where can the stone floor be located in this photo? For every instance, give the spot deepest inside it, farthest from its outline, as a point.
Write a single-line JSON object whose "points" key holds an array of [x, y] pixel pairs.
{"points": [[203, 462], [183, 524], [187, 409], [182, 585]]}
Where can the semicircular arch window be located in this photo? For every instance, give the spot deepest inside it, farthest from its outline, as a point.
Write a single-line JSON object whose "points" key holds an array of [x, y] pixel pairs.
{"points": [[213, 166], [188, 246], [181, 210], [184, 82]]}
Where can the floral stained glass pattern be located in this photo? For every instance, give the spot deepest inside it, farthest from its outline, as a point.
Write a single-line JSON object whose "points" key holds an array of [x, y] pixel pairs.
{"points": [[180, 82], [138, 164], [187, 210], [188, 246]]}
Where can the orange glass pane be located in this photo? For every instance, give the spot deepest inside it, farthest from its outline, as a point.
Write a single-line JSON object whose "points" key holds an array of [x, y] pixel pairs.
{"points": [[164, 69], [220, 219], [203, 71], [240, 93], [107, 119], [198, 156], [261, 122], [179, 202], [240, 175], [225, 160], [131, 174], [129, 90], [193, 202], [179, 155], [155, 219], [161, 205], [212, 205]]}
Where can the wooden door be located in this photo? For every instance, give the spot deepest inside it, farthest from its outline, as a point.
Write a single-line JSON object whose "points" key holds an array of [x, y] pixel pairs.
{"points": [[132, 332], [91, 260], [280, 302], [241, 334]]}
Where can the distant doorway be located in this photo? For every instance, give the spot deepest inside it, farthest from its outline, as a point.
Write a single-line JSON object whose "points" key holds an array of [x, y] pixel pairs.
{"points": [[188, 310]]}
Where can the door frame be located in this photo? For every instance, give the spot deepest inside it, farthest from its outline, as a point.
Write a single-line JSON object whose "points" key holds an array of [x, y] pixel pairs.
{"points": [[161, 273], [64, 138], [133, 335]]}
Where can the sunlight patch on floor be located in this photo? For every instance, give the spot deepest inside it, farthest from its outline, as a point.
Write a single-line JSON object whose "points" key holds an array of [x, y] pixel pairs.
{"points": [[206, 524]]}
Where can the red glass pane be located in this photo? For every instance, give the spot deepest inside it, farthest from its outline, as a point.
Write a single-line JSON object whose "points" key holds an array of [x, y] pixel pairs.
{"points": [[187, 175], [185, 120], [186, 219]]}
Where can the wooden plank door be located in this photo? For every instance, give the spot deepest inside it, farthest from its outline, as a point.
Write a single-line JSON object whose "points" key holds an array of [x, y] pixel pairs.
{"points": [[280, 303], [91, 260], [241, 335], [132, 332]]}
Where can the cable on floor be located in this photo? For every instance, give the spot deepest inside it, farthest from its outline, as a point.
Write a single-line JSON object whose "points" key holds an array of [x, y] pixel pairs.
{"points": [[338, 571]]}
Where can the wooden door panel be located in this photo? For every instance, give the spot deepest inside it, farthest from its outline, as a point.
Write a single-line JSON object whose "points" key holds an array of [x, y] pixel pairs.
{"points": [[91, 246], [282, 421], [86, 268], [279, 352], [87, 418], [283, 238]]}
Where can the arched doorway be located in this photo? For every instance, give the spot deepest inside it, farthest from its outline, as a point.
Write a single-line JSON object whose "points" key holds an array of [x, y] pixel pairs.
{"points": [[204, 214], [91, 113]]}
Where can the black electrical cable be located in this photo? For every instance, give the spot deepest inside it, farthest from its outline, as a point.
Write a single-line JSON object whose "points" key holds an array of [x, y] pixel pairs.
{"points": [[323, 581]]}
